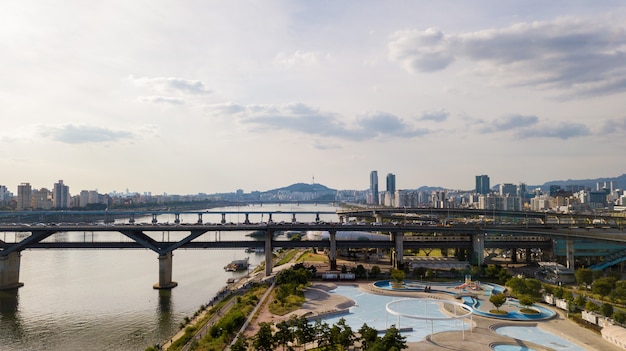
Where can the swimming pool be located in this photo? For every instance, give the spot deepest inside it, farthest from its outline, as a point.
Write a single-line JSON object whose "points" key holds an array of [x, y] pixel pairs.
{"points": [[486, 289], [503, 347], [538, 336], [370, 309]]}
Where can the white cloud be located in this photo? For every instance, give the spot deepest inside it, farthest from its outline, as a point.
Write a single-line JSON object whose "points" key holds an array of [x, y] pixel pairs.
{"points": [[171, 85], [80, 134], [574, 56], [299, 57]]}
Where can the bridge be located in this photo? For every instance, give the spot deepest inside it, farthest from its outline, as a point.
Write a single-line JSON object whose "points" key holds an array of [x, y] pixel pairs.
{"points": [[473, 237]]}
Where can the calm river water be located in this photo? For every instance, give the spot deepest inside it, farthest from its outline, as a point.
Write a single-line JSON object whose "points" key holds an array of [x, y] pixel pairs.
{"points": [[103, 299]]}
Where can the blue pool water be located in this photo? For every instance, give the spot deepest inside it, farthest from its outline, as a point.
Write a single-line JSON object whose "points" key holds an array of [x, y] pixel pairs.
{"points": [[511, 348], [538, 336], [370, 309], [486, 289]]}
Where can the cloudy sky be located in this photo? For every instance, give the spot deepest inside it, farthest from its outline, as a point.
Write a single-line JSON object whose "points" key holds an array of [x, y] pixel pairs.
{"points": [[212, 96]]}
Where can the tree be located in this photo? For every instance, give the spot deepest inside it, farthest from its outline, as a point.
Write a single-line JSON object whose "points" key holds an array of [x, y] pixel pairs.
{"points": [[619, 317], [359, 271], [533, 287], [264, 340], [284, 335], [591, 306], [580, 300], [526, 300], [497, 300], [346, 335], [305, 332], [606, 309], [375, 271], [241, 344], [398, 275], [517, 285], [392, 340], [322, 332], [367, 336], [584, 276], [559, 292], [603, 286]]}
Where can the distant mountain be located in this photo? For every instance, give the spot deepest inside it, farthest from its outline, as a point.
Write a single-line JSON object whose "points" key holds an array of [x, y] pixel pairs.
{"points": [[304, 188], [618, 182]]}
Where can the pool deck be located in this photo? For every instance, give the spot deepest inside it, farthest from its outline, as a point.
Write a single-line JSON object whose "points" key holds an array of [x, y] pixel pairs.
{"points": [[482, 338]]}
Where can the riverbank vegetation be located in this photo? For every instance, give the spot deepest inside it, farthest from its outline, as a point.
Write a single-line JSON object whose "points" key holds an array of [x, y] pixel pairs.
{"points": [[289, 290], [217, 335], [298, 332]]}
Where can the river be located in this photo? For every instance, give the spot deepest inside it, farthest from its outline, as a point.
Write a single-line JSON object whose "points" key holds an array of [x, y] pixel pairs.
{"points": [[104, 300]]}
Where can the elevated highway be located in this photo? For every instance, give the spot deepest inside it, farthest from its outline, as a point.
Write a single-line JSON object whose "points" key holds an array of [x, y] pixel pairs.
{"points": [[473, 237]]}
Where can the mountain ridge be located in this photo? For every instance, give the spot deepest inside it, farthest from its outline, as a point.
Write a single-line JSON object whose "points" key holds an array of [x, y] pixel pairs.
{"points": [[619, 182]]}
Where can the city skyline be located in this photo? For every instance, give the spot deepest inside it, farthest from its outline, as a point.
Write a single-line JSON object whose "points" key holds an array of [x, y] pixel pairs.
{"points": [[479, 187], [216, 96]]}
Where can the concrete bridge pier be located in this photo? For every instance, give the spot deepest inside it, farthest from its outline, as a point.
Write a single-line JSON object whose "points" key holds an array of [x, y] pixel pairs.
{"points": [[569, 252], [478, 248], [332, 255], [269, 236], [165, 272], [247, 220], [293, 218], [10, 271], [398, 256]]}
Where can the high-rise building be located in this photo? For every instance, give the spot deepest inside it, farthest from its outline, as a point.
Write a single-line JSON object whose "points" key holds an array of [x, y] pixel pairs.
{"points": [[5, 195], [508, 189], [42, 199], [374, 187], [61, 195], [391, 183], [24, 196], [482, 184]]}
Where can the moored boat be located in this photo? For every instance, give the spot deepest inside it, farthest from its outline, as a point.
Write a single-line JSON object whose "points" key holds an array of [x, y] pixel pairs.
{"points": [[237, 265]]}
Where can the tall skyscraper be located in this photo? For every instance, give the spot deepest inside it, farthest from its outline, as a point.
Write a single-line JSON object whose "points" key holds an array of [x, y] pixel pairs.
{"points": [[374, 187], [24, 196], [61, 195], [391, 183], [482, 184]]}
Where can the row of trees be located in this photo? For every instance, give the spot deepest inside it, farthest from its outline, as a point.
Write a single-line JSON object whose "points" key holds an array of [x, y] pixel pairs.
{"points": [[297, 332]]}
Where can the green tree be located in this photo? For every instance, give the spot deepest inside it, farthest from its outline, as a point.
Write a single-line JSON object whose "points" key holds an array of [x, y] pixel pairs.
{"points": [[497, 300], [559, 292], [375, 272], [359, 271], [584, 276], [305, 332], [533, 287], [580, 300], [619, 316], [517, 285], [526, 300], [367, 336], [322, 332], [264, 339], [568, 295], [284, 335], [346, 335], [493, 270], [241, 344], [606, 309], [392, 340], [591, 306], [398, 275], [603, 286]]}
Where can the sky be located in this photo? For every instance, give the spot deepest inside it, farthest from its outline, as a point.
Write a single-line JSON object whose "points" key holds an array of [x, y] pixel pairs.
{"points": [[186, 97]]}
